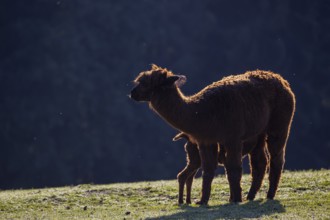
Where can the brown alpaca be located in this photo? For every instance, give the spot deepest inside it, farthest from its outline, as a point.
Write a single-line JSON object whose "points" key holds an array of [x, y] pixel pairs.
{"points": [[229, 112]]}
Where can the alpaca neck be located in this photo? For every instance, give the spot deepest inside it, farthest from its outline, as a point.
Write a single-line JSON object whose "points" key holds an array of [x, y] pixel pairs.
{"points": [[172, 106]]}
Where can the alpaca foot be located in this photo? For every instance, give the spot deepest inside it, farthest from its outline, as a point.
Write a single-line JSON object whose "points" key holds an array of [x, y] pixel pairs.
{"points": [[201, 203], [237, 200], [250, 197], [188, 201], [180, 201], [270, 196]]}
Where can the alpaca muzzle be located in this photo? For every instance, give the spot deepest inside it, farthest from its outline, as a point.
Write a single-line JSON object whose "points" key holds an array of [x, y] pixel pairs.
{"points": [[134, 95]]}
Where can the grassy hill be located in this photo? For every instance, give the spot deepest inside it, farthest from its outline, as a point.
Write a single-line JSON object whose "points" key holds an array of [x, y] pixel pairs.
{"points": [[302, 195]]}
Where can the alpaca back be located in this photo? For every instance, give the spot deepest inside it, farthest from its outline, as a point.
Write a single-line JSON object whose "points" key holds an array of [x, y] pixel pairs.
{"points": [[240, 104]]}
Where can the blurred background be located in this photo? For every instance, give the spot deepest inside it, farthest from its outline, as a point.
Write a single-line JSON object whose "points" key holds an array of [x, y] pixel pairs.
{"points": [[66, 68]]}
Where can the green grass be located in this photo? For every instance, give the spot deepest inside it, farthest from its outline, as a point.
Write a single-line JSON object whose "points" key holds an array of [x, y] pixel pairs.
{"points": [[301, 195]]}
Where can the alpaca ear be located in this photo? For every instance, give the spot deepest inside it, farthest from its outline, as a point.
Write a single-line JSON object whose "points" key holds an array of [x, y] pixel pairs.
{"points": [[154, 67], [182, 80], [170, 80], [179, 80]]}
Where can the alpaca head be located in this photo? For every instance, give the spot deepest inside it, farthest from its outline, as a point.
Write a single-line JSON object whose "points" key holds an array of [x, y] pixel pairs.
{"points": [[156, 79]]}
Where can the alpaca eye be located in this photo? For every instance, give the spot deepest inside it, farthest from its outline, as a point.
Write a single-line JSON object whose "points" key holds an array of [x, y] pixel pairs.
{"points": [[144, 84]]}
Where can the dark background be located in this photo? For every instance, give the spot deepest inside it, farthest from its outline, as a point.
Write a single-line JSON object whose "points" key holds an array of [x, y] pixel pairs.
{"points": [[66, 68]]}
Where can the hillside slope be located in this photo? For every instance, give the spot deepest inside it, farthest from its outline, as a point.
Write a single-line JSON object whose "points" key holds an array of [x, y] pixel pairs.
{"points": [[302, 195]]}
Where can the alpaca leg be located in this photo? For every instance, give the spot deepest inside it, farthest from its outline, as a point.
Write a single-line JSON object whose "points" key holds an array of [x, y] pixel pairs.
{"points": [[258, 164], [193, 164], [189, 182], [209, 159], [233, 166], [222, 155], [278, 133], [182, 177], [276, 148]]}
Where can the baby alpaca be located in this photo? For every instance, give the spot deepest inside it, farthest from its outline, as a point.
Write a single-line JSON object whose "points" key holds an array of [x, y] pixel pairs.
{"points": [[186, 176]]}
